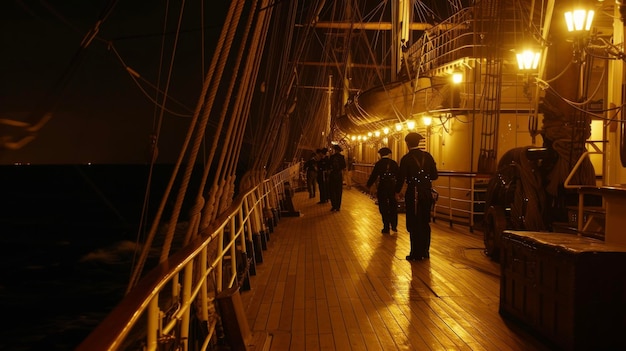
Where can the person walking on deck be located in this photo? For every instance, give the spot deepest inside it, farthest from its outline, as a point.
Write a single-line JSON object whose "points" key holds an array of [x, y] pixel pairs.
{"points": [[323, 167], [350, 172], [310, 167], [418, 169], [337, 164], [385, 171]]}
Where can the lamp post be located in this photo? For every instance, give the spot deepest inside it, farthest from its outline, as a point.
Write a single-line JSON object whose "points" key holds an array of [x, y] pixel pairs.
{"points": [[528, 62], [578, 23]]}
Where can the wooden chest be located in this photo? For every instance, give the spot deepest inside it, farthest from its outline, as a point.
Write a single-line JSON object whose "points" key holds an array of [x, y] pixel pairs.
{"points": [[569, 289]]}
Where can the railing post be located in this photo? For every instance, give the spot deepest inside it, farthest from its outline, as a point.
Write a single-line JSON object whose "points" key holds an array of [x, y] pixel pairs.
{"points": [[204, 298], [186, 303], [152, 324], [450, 200], [581, 210], [220, 251], [472, 204], [233, 253]]}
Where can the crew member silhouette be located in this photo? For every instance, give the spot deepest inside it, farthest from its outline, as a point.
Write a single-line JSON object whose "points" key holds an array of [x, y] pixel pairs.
{"points": [[337, 164], [386, 171], [418, 169]]}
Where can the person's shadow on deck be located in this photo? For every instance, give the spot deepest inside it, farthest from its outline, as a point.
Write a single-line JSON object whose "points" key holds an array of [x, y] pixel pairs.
{"points": [[380, 263], [421, 284]]}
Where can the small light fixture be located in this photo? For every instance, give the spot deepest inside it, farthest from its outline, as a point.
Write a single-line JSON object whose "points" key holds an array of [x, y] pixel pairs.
{"points": [[377, 133], [457, 77], [427, 120], [410, 124], [528, 60], [353, 138], [386, 130], [579, 20], [369, 134], [398, 127]]}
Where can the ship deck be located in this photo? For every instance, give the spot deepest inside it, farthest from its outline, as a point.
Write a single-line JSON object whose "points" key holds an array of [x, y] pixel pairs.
{"points": [[332, 281]]}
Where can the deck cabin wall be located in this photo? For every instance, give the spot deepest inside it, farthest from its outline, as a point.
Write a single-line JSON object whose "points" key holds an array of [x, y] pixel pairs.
{"points": [[457, 146]]}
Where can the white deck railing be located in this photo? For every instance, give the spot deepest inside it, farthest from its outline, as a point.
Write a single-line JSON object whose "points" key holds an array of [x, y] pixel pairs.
{"points": [[172, 300]]}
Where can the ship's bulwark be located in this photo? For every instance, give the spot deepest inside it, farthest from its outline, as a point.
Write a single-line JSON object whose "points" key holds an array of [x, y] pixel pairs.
{"points": [[68, 241]]}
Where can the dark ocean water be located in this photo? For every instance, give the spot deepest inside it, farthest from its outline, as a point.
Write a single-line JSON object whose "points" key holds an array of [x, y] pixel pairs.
{"points": [[67, 243]]}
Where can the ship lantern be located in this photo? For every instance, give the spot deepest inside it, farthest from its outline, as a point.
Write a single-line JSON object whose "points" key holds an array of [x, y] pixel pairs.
{"points": [[579, 20], [528, 60], [427, 120], [410, 124], [457, 77]]}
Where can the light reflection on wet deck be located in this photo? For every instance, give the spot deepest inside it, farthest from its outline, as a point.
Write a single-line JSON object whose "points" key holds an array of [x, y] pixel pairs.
{"points": [[332, 281]]}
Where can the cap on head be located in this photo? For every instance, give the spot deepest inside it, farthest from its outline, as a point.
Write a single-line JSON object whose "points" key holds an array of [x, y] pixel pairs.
{"points": [[413, 139], [384, 151], [337, 148]]}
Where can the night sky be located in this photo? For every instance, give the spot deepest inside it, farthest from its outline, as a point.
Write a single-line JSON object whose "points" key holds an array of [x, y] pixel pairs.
{"points": [[99, 114]]}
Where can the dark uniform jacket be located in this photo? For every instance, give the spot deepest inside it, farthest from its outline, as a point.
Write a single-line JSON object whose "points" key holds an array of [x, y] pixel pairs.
{"points": [[337, 163], [386, 169], [418, 169], [311, 165]]}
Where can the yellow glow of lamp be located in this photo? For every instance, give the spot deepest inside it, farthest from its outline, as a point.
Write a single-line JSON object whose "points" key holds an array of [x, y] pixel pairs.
{"points": [[579, 20], [427, 120], [398, 126], [377, 133], [457, 77], [410, 124], [386, 130], [528, 60]]}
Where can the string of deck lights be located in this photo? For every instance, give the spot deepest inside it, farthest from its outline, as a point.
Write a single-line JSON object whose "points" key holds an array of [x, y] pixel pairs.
{"points": [[578, 22]]}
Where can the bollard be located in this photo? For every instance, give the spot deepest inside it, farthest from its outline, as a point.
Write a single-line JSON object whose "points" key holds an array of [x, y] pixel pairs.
{"points": [[288, 209], [268, 216], [258, 254], [263, 240], [243, 271], [234, 320]]}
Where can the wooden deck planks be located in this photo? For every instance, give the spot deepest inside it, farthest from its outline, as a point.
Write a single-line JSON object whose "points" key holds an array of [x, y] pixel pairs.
{"points": [[332, 281]]}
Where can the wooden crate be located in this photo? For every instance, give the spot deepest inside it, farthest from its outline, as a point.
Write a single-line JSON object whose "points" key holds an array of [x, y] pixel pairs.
{"points": [[569, 289]]}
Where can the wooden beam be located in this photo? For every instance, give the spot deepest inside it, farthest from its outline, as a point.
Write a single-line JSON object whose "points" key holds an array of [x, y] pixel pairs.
{"points": [[379, 25], [352, 65]]}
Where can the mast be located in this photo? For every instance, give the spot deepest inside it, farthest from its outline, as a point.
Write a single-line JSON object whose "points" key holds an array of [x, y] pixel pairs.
{"points": [[327, 135], [401, 10]]}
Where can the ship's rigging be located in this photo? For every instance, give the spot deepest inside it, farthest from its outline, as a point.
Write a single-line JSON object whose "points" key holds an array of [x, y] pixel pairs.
{"points": [[259, 104], [288, 77], [356, 46]]}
